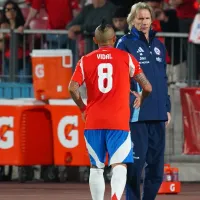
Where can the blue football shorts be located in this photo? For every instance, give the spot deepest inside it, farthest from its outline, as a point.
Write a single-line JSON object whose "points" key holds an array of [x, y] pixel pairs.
{"points": [[117, 143]]}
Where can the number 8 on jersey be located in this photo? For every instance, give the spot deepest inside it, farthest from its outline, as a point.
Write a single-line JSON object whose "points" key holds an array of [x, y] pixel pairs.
{"points": [[103, 76]]}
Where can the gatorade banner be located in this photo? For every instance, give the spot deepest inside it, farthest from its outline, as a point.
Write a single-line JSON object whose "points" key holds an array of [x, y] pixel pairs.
{"points": [[190, 101]]}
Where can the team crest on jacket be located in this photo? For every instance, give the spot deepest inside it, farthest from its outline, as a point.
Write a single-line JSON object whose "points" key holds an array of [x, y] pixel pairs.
{"points": [[157, 50]]}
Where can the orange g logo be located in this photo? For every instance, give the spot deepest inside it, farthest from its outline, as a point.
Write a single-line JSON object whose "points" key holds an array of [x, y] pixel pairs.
{"points": [[67, 136], [6, 134]]}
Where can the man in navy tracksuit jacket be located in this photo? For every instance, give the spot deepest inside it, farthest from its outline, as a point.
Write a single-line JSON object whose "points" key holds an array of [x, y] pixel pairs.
{"points": [[147, 124]]}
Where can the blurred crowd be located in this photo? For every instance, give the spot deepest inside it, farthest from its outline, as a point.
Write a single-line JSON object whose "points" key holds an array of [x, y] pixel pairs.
{"points": [[80, 18]]}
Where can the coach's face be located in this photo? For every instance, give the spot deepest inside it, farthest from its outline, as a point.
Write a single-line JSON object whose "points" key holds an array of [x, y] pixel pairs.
{"points": [[142, 21]]}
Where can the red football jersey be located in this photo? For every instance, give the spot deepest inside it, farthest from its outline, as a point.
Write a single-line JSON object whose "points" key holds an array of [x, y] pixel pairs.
{"points": [[106, 73]]}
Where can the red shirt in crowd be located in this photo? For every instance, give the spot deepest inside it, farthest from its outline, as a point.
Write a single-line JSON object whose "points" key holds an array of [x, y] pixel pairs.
{"points": [[186, 10], [106, 73], [59, 11]]}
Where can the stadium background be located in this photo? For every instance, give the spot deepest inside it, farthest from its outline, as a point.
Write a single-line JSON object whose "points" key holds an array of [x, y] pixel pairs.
{"points": [[182, 68]]}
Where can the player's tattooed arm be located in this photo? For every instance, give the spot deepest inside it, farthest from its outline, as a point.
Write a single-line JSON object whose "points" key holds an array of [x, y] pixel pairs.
{"points": [[76, 96], [145, 84]]}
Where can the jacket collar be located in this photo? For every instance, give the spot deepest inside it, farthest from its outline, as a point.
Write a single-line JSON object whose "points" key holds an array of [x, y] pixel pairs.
{"points": [[140, 34]]}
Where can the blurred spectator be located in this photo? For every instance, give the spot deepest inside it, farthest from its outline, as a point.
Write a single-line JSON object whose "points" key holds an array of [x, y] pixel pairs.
{"points": [[12, 15], [169, 23], [13, 19], [60, 13], [154, 3], [120, 22], [87, 21], [186, 11], [1, 16], [126, 4], [90, 17]]}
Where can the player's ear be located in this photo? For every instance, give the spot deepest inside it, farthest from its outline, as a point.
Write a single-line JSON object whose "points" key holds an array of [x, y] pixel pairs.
{"points": [[95, 40], [114, 39]]}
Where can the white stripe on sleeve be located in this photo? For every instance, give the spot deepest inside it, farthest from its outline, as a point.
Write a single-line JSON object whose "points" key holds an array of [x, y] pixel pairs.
{"points": [[131, 66], [81, 65]]}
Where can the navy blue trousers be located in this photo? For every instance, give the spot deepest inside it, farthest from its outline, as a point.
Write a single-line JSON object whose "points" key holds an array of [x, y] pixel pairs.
{"points": [[149, 145]]}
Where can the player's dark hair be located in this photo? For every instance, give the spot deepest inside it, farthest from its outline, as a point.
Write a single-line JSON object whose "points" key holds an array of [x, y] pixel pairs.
{"points": [[104, 25]]}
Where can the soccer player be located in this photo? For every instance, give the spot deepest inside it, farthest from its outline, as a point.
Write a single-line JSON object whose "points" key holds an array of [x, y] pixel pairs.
{"points": [[106, 73]]}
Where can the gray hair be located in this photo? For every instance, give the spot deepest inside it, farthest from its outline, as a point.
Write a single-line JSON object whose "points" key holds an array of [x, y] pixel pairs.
{"points": [[134, 10]]}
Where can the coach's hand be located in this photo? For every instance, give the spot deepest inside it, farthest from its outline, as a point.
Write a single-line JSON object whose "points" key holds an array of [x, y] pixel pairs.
{"points": [[138, 100], [169, 119]]}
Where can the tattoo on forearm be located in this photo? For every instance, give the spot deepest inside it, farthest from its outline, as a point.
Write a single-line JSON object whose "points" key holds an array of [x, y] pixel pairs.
{"points": [[146, 86], [141, 79], [74, 89], [75, 94]]}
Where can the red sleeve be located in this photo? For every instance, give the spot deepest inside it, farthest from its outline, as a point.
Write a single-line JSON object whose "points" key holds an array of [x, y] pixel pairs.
{"points": [[156, 25], [75, 5], [36, 4], [78, 75], [134, 66]]}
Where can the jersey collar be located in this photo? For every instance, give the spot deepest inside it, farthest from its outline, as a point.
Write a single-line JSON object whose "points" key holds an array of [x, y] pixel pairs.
{"points": [[140, 34], [102, 47]]}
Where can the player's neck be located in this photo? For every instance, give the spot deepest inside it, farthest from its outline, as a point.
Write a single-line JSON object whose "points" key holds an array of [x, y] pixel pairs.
{"points": [[105, 46]]}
